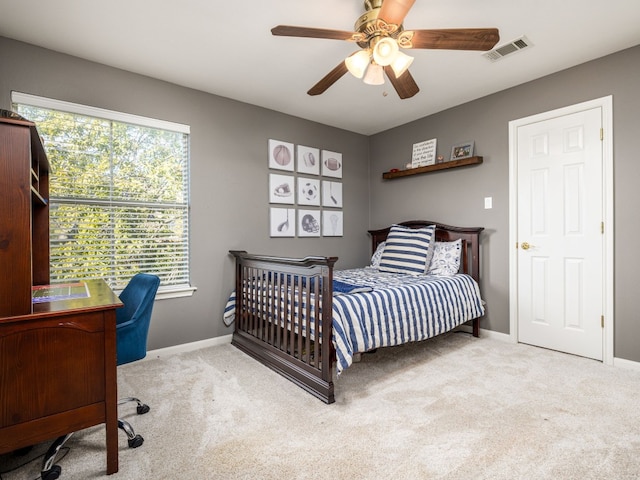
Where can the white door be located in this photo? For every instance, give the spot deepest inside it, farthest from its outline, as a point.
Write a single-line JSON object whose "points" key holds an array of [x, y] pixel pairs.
{"points": [[560, 233]]}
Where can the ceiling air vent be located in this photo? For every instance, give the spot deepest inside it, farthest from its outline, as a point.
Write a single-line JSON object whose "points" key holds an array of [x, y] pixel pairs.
{"points": [[507, 49]]}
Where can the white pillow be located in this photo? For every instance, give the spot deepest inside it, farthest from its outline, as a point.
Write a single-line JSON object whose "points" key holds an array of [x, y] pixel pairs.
{"points": [[406, 250], [446, 258], [375, 259]]}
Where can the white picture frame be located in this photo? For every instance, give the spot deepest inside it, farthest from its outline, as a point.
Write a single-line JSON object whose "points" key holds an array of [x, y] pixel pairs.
{"points": [[332, 223], [462, 150], [281, 155], [331, 194], [308, 160], [331, 164], [282, 222], [281, 189], [309, 222], [308, 191]]}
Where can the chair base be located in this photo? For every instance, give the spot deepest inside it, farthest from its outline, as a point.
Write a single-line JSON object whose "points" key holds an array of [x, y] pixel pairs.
{"points": [[140, 408], [51, 471]]}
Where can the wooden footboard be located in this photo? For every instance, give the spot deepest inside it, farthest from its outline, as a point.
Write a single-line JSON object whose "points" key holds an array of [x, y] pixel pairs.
{"points": [[283, 317]]}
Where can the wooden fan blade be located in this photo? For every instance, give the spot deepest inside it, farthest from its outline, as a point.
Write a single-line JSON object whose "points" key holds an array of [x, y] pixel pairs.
{"points": [[292, 31], [456, 38], [394, 11], [405, 85], [329, 79]]}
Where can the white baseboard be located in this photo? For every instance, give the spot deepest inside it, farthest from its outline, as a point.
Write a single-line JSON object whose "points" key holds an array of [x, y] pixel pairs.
{"points": [[187, 347], [617, 362], [628, 364], [210, 342], [504, 337]]}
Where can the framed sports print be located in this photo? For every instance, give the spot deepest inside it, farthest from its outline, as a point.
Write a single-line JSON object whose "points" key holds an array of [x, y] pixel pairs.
{"points": [[308, 223], [281, 189], [308, 160], [332, 223], [331, 164], [331, 194], [308, 191], [281, 155], [282, 222]]}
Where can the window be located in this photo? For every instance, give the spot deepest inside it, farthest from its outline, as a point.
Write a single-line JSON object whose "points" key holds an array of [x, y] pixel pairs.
{"points": [[119, 193]]}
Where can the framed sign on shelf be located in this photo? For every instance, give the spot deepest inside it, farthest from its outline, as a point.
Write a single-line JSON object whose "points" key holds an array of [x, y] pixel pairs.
{"points": [[424, 153]]}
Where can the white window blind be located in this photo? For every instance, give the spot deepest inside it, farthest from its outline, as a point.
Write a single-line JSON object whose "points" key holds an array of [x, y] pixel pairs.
{"points": [[119, 193]]}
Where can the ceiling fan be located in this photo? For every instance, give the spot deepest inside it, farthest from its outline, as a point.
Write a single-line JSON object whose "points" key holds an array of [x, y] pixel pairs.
{"points": [[380, 34]]}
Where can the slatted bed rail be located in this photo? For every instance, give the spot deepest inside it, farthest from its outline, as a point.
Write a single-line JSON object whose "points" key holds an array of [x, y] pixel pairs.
{"points": [[281, 303]]}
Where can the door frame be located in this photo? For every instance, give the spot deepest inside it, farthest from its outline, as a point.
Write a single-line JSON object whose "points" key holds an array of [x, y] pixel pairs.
{"points": [[606, 104]]}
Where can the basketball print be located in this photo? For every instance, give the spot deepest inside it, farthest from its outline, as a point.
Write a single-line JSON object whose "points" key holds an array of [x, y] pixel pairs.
{"points": [[282, 155]]}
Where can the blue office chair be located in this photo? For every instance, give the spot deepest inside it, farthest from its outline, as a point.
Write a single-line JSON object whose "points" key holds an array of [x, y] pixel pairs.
{"points": [[132, 327]]}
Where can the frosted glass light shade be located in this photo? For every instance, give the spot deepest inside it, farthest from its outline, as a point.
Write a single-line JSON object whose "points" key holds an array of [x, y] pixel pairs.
{"points": [[401, 63], [357, 63], [385, 51], [374, 75]]}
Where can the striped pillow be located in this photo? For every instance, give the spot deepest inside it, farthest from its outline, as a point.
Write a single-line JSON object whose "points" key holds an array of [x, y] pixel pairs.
{"points": [[406, 250]]}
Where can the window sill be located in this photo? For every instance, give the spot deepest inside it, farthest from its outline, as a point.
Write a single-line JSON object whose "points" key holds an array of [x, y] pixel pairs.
{"points": [[175, 292]]}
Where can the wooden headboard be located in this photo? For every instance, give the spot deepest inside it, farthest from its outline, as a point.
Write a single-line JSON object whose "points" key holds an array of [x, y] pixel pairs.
{"points": [[470, 262]]}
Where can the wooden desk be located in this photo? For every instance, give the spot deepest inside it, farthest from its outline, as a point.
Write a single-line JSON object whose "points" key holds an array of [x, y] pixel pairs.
{"points": [[58, 371]]}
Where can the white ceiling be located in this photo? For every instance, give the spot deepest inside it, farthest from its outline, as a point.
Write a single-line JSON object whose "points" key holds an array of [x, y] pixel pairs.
{"points": [[226, 48]]}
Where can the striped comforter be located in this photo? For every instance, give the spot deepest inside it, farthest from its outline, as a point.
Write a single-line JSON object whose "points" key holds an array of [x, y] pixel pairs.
{"points": [[400, 309], [394, 309]]}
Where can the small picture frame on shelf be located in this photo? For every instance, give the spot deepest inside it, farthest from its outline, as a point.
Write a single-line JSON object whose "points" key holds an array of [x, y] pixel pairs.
{"points": [[462, 150]]}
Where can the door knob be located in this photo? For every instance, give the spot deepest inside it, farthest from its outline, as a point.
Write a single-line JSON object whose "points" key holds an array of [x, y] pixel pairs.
{"points": [[526, 246]]}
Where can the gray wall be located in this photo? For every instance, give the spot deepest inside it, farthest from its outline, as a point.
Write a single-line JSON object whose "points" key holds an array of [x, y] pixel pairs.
{"points": [[438, 196], [229, 174]]}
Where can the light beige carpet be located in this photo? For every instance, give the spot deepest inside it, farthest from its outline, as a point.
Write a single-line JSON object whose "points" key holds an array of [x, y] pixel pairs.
{"points": [[454, 407]]}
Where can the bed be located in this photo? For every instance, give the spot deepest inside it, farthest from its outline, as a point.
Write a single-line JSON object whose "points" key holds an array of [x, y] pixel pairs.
{"points": [[284, 308]]}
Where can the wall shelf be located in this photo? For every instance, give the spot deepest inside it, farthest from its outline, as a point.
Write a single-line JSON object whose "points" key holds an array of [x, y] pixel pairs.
{"points": [[433, 168]]}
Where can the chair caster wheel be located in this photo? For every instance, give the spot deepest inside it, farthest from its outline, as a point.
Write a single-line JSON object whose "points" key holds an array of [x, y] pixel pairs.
{"points": [[134, 442], [52, 473], [142, 409]]}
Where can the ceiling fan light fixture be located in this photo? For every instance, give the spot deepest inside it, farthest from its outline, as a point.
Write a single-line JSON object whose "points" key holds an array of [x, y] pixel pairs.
{"points": [[358, 62], [374, 75], [385, 51], [401, 63]]}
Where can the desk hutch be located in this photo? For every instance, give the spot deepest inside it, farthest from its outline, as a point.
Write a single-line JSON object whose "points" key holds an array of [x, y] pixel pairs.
{"points": [[57, 358]]}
